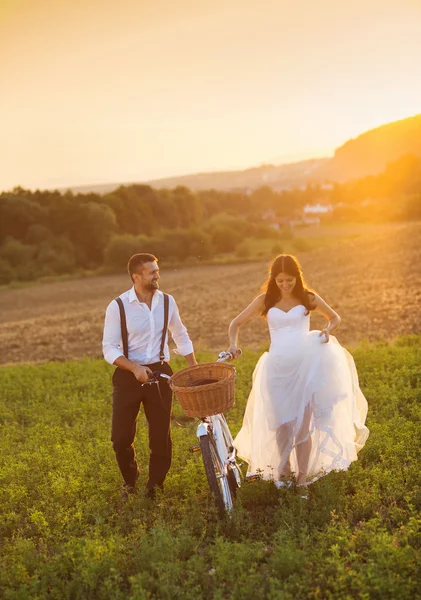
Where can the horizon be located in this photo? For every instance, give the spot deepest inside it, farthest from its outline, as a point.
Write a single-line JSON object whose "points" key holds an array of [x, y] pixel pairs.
{"points": [[181, 175], [98, 94]]}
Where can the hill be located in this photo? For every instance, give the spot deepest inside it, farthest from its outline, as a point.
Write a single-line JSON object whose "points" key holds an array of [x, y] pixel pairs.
{"points": [[368, 154], [278, 177]]}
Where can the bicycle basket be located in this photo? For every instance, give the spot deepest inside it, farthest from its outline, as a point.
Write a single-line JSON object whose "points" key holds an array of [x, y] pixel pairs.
{"points": [[197, 397]]}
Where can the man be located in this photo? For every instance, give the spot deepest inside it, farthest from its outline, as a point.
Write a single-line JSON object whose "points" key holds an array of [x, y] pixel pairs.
{"points": [[141, 312]]}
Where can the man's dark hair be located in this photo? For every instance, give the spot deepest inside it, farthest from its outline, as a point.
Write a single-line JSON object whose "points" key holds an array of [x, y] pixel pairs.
{"points": [[138, 260]]}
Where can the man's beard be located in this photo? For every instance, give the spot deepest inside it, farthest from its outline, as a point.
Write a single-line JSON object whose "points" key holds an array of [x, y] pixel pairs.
{"points": [[153, 285]]}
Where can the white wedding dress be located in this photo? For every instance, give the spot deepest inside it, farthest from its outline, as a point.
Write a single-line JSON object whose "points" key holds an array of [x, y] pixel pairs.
{"points": [[306, 412]]}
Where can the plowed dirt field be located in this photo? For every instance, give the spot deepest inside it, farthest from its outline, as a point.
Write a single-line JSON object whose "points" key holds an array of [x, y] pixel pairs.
{"points": [[373, 282]]}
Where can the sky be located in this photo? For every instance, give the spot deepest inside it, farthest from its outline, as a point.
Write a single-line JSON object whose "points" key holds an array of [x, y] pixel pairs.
{"points": [[104, 91]]}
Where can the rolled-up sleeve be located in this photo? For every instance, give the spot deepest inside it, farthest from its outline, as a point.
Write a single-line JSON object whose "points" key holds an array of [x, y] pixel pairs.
{"points": [[179, 332], [111, 342]]}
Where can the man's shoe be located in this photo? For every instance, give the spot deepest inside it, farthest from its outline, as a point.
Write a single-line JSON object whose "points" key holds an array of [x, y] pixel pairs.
{"points": [[151, 492], [127, 490]]}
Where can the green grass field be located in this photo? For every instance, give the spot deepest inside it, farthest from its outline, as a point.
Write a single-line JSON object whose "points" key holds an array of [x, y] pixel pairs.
{"points": [[66, 533]]}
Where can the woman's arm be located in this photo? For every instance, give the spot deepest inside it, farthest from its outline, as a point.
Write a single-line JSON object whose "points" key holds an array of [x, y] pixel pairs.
{"points": [[324, 309], [254, 309]]}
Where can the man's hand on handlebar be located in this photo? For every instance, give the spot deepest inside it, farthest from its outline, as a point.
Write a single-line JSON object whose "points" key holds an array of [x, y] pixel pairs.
{"points": [[142, 374]]}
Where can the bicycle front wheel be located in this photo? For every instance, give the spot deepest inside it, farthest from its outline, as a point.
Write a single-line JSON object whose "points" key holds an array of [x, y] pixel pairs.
{"points": [[233, 480], [215, 473]]}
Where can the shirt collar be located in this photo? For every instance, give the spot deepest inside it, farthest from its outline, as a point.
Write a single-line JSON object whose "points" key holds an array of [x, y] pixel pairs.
{"points": [[132, 295], [155, 298]]}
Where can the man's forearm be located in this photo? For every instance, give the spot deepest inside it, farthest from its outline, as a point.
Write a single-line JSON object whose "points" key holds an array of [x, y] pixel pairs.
{"points": [[191, 359], [125, 363]]}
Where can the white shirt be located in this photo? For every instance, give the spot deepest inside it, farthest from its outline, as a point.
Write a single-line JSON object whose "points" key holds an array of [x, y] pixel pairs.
{"points": [[144, 328]]}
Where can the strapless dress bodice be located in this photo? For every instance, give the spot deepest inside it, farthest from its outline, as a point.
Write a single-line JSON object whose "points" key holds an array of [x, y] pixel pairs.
{"points": [[287, 328]]}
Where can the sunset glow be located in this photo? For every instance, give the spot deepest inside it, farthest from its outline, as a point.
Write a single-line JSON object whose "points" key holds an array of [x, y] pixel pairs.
{"points": [[104, 91]]}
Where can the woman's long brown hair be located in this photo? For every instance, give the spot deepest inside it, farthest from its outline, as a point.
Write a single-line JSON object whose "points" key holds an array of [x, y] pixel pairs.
{"points": [[285, 263]]}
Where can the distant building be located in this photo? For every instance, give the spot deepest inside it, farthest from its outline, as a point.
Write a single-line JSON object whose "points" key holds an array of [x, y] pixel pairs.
{"points": [[309, 215], [318, 209]]}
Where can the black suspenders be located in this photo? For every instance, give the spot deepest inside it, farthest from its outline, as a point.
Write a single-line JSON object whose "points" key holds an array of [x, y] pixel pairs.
{"points": [[124, 335], [123, 323], [164, 330]]}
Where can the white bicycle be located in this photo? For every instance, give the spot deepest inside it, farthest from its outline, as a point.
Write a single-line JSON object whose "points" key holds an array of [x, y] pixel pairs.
{"points": [[218, 452]]}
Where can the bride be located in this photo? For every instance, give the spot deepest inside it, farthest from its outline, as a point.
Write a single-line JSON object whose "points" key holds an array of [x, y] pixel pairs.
{"points": [[305, 414]]}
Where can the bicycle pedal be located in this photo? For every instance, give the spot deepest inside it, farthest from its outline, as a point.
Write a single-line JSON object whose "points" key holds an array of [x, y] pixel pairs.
{"points": [[252, 478], [195, 449]]}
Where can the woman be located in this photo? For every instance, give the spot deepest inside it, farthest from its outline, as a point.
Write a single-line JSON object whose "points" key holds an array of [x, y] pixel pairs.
{"points": [[305, 414]]}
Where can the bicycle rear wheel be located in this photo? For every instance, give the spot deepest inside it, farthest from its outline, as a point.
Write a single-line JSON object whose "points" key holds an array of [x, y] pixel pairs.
{"points": [[215, 473]]}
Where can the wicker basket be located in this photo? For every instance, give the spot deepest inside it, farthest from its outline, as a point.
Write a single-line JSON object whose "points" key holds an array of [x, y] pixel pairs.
{"points": [[208, 399]]}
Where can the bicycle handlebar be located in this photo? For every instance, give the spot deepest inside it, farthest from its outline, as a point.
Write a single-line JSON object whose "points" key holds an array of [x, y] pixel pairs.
{"points": [[155, 375], [154, 378], [224, 356]]}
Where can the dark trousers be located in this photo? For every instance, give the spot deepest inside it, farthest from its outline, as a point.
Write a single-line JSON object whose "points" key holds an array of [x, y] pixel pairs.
{"points": [[128, 395]]}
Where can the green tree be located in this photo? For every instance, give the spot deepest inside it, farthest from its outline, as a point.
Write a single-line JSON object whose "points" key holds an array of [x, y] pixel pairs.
{"points": [[225, 239], [89, 226], [17, 215], [7, 274], [133, 207], [264, 198], [57, 256], [121, 247], [188, 206], [15, 253]]}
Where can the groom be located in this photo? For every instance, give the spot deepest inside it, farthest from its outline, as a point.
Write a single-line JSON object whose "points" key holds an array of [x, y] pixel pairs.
{"points": [[136, 341]]}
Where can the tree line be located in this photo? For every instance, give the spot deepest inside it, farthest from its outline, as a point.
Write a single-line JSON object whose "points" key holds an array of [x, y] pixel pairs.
{"points": [[46, 233]]}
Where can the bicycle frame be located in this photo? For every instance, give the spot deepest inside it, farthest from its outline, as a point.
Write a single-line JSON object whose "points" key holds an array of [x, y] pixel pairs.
{"points": [[216, 429], [217, 426]]}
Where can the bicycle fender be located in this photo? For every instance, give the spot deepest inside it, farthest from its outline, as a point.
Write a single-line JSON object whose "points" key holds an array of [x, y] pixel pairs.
{"points": [[202, 429]]}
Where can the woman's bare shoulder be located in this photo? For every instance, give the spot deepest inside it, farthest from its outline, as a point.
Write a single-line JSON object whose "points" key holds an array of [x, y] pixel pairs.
{"points": [[313, 298], [323, 307], [253, 309], [260, 300]]}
